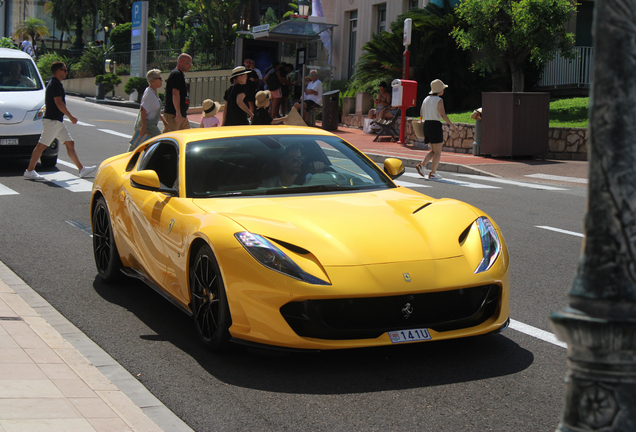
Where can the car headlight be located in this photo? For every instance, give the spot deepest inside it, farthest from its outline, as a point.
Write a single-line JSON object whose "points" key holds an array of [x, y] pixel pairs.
{"points": [[271, 257], [490, 244], [40, 113]]}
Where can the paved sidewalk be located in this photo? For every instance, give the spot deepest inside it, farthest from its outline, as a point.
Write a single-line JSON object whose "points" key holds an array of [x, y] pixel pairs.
{"points": [[54, 378]]}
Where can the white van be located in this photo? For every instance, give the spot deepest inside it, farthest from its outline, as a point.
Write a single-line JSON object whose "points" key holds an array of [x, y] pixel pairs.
{"points": [[21, 108]]}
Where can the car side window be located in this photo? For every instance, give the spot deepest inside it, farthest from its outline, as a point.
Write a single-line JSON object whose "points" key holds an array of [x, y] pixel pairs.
{"points": [[163, 158]]}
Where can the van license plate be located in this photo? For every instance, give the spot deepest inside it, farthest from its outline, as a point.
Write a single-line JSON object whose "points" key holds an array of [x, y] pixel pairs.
{"points": [[9, 141]]}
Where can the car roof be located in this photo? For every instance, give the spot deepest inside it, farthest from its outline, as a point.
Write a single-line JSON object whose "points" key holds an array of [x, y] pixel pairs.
{"points": [[13, 53], [197, 134]]}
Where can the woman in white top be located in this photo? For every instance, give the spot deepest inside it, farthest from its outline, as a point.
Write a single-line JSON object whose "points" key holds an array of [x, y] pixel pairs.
{"points": [[150, 111], [432, 112]]}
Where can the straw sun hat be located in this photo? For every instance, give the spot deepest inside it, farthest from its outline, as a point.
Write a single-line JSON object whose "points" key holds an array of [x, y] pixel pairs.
{"points": [[210, 107], [262, 98], [437, 86], [238, 71]]}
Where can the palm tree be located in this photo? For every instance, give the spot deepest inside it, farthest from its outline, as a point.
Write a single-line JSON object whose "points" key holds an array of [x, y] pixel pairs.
{"points": [[32, 27]]}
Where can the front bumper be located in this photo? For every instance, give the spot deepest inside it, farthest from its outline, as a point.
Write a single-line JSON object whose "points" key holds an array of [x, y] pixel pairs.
{"points": [[364, 303]]}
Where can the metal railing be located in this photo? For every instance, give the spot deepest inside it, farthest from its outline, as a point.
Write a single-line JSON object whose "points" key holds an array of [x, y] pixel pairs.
{"points": [[166, 59], [563, 72], [203, 88]]}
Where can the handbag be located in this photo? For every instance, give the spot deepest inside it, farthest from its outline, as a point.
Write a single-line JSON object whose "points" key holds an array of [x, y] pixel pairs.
{"points": [[136, 140]]}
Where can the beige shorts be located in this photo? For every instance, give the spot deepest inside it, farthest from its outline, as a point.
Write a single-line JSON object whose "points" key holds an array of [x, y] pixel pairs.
{"points": [[54, 129], [173, 125]]}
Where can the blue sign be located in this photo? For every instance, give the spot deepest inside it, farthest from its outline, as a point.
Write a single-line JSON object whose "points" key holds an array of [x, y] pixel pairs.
{"points": [[135, 46], [136, 14]]}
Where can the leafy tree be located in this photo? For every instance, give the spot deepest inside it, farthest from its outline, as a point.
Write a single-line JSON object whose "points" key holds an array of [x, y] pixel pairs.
{"points": [[514, 31], [32, 27], [120, 38], [6, 42], [93, 58], [68, 14], [434, 54]]}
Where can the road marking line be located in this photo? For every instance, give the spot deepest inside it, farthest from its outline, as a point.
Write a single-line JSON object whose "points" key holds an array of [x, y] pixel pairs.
{"points": [[80, 226], [510, 182], [559, 178], [103, 107], [561, 231], [409, 184], [81, 123], [7, 191], [112, 132], [456, 182], [68, 164], [537, 333], [68, 181]]}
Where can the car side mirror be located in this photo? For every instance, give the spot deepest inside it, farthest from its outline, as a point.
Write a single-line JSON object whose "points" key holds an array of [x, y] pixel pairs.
{"points": [[149, 180], [393, 167]]}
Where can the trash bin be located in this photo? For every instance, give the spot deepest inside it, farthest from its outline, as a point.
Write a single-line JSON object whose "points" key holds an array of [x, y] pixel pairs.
{"points": [[330, 110]]}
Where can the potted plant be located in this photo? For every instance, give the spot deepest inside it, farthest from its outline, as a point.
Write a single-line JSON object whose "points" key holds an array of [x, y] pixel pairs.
{"points": [[109, 82], [137, 84]]}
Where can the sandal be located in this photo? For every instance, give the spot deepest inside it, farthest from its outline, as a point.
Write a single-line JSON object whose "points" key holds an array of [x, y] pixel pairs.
{"points": [[420, 169]]}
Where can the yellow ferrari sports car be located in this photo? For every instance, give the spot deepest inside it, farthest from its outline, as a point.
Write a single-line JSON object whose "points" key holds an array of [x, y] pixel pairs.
{"points": [[290, 238]]}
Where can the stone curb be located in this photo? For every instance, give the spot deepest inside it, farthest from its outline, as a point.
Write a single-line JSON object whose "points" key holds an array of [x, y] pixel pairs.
{"points": [[139, 408], [443, 166]]}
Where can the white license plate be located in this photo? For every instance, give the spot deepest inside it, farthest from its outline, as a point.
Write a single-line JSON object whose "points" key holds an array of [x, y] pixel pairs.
{"points": [[409, 335], [9, 141]]}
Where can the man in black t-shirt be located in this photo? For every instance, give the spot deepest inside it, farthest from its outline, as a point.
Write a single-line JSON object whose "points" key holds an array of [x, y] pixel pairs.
{"points": [[53, 125], [177, 95]]}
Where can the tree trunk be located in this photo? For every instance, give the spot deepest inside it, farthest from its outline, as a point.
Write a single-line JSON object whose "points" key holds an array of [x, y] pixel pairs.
{"points": [[517, 77]]}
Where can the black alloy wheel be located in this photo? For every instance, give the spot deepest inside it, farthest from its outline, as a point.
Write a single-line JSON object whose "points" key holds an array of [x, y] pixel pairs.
{"points": [[208, 302], [105, 251]]}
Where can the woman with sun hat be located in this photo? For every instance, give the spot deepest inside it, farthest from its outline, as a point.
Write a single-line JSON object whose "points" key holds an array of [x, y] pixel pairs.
{"points": [[236, 111], [432, 112]]}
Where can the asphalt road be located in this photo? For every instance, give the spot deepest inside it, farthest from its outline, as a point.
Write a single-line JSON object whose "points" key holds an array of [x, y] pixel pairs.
{"points": [[507, 382]]}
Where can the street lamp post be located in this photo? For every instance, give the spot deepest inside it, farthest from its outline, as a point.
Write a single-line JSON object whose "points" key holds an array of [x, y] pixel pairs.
{"points": [[599, 326]]}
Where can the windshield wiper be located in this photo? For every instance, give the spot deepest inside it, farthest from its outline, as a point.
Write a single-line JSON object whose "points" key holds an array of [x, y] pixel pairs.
{"points": [[224, 194], [313, 188]]}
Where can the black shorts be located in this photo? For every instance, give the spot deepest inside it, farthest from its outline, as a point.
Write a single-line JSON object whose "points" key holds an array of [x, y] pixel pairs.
{"points": [[311, 105], [433, 133]]}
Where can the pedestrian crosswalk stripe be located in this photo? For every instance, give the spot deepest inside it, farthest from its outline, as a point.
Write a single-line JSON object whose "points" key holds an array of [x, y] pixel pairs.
{"points": [[456, 182], [510, 182], [68, 181], [409, 184], [80, 123], [68, 164], [112, 132], [7, 191], [558, 178]]}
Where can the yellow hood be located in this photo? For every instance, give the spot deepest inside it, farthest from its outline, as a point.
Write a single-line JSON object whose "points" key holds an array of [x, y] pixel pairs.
{"points": [[354, 228]]}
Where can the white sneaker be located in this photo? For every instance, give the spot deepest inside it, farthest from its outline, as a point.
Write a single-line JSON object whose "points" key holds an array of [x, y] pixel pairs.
{"points": [[32, 175], [434, 176], [87, 170]]}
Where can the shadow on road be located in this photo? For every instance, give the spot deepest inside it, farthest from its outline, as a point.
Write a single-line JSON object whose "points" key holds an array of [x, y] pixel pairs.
{"points": [[328, 372]]}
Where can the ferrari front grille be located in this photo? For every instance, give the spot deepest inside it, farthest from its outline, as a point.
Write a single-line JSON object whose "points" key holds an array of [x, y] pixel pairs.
{"points": [[369, 317]]}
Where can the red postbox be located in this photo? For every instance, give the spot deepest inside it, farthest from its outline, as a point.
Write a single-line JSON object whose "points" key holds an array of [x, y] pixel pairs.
{"points": [[404, 96], [404, 93]]}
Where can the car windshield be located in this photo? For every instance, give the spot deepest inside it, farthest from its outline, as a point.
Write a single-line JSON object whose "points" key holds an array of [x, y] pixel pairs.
{"points": [[18, 75], [277, 165]]}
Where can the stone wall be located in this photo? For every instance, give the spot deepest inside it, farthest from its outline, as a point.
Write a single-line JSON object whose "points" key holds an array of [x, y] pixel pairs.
{"points": [[563, 143]]}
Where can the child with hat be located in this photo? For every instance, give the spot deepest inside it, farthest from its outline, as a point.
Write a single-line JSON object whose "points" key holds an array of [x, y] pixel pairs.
{"points": [[210, 108], [262, 115]]}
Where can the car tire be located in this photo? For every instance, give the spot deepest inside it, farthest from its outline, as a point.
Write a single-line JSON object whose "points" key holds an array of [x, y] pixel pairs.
{"points": [[107, 258], [48, 162], [208, 301]]}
